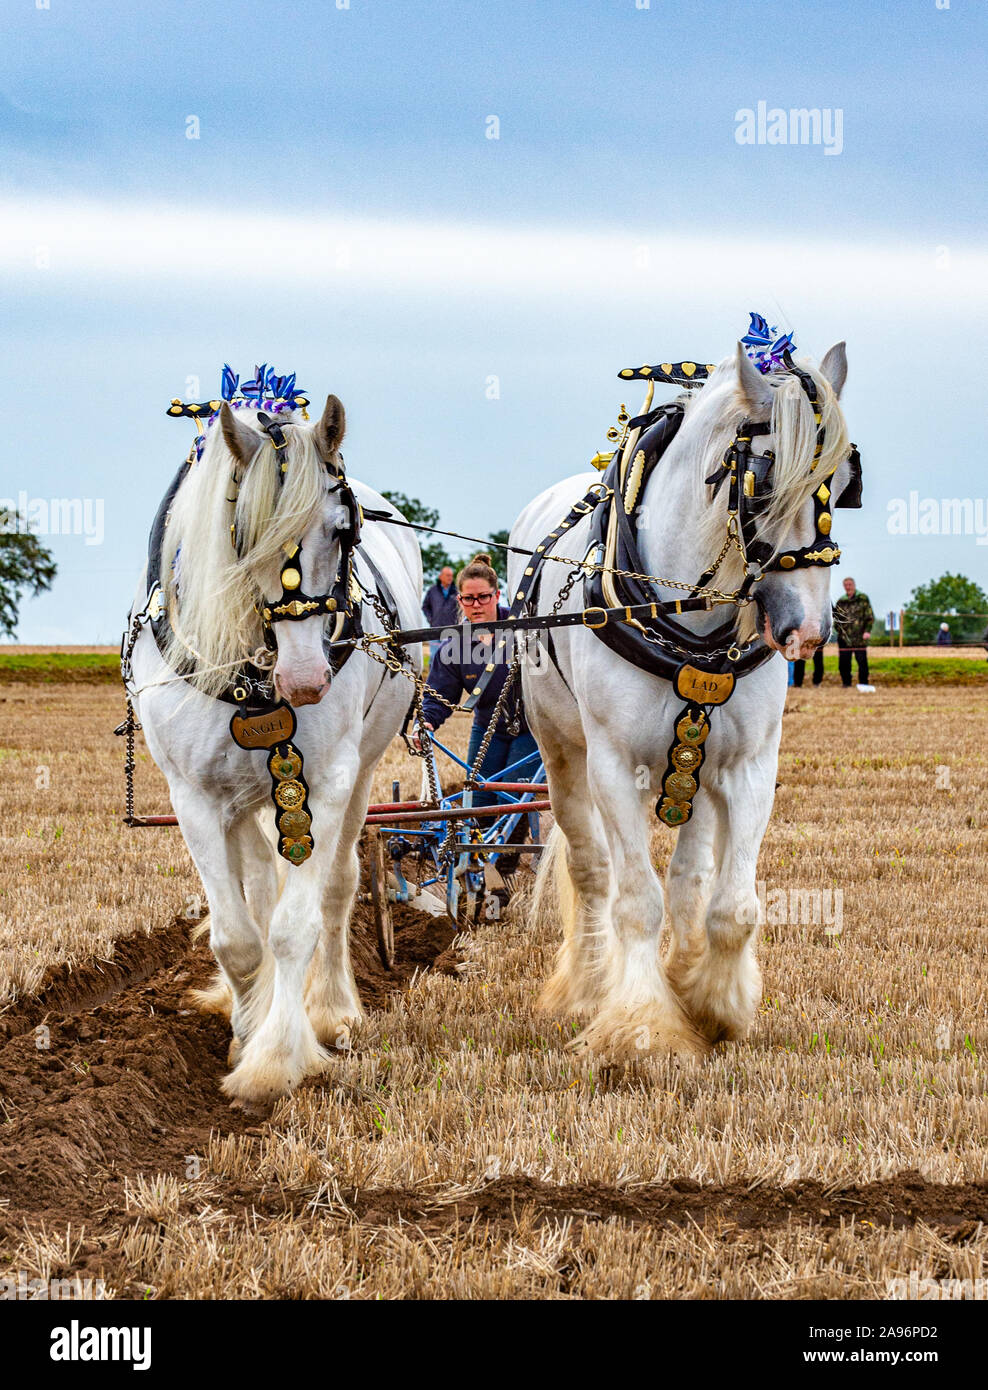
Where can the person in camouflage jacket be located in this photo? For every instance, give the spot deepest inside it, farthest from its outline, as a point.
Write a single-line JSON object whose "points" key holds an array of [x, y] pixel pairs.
{"points": [[853, 621]]}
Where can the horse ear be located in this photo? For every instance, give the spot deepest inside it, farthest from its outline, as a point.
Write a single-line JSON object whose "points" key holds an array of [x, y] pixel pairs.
{"points": [[331, 429], [754, 387], [240, 439], [834, 367]]}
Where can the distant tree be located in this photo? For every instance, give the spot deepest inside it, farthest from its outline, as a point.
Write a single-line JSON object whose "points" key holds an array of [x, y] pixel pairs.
{"points": [[953, 596], [499, 557], [434, 552], [24, 564], [880, 636]]}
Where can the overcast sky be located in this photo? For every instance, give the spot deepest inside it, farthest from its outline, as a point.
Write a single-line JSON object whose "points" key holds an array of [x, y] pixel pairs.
{"points": [[344, 214]]}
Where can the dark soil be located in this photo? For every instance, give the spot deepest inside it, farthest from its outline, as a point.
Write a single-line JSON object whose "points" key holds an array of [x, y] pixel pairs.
{"points": [[108, 1071]]}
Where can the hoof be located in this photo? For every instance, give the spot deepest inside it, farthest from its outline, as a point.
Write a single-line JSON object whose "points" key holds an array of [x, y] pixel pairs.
{"points": [[255, 1110], [619, 1035], [260, 1079], [335, 1034]]}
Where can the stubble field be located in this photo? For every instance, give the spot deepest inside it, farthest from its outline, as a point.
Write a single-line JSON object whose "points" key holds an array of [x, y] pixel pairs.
{"points": [[459, 1150]]}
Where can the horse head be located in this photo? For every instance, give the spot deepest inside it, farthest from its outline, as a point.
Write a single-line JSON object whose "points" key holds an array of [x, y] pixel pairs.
{"points": [[257, 547], [298, 580], [789, 464]]}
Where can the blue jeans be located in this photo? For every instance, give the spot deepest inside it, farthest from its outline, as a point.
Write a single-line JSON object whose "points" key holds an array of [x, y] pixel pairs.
{"points": [[501, 752]]}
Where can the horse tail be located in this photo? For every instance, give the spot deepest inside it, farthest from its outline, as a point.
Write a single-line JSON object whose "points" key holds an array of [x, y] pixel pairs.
{"points": [[553, 897], [554, 905]]}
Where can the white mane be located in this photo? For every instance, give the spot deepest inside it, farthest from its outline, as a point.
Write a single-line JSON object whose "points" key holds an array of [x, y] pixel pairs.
{"points": [[211, 592]]}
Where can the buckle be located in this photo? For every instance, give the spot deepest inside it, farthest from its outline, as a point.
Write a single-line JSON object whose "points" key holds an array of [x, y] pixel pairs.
{"points": [[585, 616]]}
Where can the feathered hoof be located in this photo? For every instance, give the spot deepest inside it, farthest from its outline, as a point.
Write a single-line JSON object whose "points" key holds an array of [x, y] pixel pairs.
{"points": [[233, 1051], [255, 1111], [216, 998], [335, 1032], [260, 1080], [724, 1010], [566, 995], [720, 1030], [622, 1034]]}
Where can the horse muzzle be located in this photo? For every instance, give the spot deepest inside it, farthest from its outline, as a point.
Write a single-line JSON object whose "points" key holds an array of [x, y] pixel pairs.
{"points": [[302, 689], [791, 633]]}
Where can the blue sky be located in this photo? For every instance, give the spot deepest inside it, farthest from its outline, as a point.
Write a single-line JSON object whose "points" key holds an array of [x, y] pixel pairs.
{"points": [[343, 215]]}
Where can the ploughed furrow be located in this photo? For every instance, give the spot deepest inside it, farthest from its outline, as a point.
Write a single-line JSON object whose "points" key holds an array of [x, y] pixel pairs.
{"points": [[108, 1072]]}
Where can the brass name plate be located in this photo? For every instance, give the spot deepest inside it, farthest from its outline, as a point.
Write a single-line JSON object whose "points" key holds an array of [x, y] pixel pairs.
{"points": [[263, 730], [704, 687]]}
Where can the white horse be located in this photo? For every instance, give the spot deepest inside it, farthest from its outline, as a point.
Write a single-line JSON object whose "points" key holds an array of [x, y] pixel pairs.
{"points": [[605, 729], [270, 918]]}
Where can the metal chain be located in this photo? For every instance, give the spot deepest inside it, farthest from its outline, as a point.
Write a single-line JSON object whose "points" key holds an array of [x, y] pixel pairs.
{"points": [[705, 592], [502, 699], [130, 724]]}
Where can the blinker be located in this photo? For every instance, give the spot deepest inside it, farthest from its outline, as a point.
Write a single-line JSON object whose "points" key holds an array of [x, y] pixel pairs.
{"points": [[851, 494]]}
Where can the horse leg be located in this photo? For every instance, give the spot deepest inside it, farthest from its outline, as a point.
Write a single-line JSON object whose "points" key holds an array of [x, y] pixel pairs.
{"points": [[638, 1011], [253, 858], [331, 998], [235, 935], [284, 1048], [573, 883], [692, 871], [721, 986]]}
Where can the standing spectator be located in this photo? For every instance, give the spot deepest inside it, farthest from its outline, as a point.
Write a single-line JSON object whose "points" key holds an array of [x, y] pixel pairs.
{"points": [[853, 618], [440, 606], [799, 668], [943, 636]]}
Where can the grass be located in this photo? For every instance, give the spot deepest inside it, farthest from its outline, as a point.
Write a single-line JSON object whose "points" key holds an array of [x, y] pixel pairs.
{"points": [[906, 670], [54, 667]]}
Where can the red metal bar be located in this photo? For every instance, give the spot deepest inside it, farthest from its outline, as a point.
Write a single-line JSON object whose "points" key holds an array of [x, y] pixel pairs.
{"points": [[514, 787], [391, 811], [462, 813]]}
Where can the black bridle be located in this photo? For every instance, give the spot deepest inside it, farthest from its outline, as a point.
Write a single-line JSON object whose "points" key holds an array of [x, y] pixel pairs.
{"points": [[749, 477], [294, 604]]}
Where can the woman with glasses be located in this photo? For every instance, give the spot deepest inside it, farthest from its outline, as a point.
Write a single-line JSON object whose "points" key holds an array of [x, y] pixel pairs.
{"points": [[454, 672]]}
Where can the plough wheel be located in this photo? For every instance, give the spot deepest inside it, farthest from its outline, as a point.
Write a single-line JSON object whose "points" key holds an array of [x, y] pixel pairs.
{"points": [[383, 924]]}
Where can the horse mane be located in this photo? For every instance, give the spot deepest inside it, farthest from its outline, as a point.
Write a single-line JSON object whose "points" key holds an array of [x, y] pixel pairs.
{"points": [[717, 411], [212, 592]]}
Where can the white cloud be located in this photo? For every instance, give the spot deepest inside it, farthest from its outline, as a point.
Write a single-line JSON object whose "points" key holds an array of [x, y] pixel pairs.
{"points": [[119, 242]]}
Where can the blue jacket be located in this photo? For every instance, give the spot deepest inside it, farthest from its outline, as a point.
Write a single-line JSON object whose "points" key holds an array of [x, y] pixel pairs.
{"points": [[452, 677], [441, 610]]}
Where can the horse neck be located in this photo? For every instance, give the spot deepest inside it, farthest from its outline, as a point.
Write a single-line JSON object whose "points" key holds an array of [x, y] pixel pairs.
{"points": [[670, 545]]}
